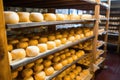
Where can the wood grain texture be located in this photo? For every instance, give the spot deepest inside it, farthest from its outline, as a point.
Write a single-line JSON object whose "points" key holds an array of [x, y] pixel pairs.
{"points": [[4, 64]]}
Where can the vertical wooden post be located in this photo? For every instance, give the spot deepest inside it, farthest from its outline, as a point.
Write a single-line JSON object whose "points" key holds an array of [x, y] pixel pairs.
{"points": [[106, 28], [5, 73], [95, 32]]}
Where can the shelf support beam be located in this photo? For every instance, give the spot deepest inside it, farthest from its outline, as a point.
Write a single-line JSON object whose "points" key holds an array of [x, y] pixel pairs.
{"points": [[5, 73]]}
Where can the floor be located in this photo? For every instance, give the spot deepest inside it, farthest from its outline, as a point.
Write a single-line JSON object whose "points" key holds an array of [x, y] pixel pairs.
{"points": [[113, 70]]}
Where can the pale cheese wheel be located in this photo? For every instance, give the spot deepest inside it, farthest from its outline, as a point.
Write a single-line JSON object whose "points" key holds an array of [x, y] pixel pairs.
{"points": [[86, 16], [40, 76], [42, 47], [10, 57], [62, 56], [36, 17], [51, 38], [47, 63], [51, 45], [64, 62], [58, 42], [74, 17], [22, 45], [27, 72], [60, 17], [63, 40], [49, 71], [49, 17], [23, 16], [32, 51], [74, 57], [18, 53], [66, 17], [71, 38], [28, 78], [11, 17], [70, 60]]}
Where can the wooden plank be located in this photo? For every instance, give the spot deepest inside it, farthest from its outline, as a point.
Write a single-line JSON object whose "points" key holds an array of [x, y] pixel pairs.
{"points": [[5, 73]]}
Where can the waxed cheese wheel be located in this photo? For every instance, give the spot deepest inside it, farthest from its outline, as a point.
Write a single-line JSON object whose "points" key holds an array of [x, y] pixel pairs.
{"points": [[86, 16], [43, 40], [63, 40], [33, 42], [51, 45], [18, 53], [23, 16], [49, 17], [24, 39], [47, 63], [36, 17], [49, 71], [11, 17], [58, 66], [42, 47], [74, 17], [60, 17], [58, 42], [27, 72], [9, 47], [40, 75], [30, 65], [22, 45], [51, 38], [32, 51], [28, 78], [14, 74], [38, 67]]}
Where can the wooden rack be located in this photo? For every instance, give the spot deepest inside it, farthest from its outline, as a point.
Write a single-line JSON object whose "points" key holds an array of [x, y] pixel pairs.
{"points": [[77, 4]]}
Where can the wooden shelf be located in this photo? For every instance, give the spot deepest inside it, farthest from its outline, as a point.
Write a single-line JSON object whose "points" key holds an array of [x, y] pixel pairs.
{"points": [[24, 61], [32, 24], [79, 4], [64, 68]]}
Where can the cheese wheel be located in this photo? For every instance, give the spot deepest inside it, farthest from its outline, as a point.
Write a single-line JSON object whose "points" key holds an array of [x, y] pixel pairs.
{"points": [[36, 17], [67, 77], [14, 42], [51, 45], [32, 51], [66, 17], [24, 39], [9, 47], [33, 42], [49, 17], [10, 57], [71, 38], [23, 16], [18, 53], [35, 37], [27, 72], [58, 36], [86, 16], [38, 67], [58, 66], [22, 45], [43, 40], [74, 57], [49, 71], [74, 17], [70, 60], [50, 57], [11, 17], [51, 38], [39, 61], [67, 54], [30, 65], [77, 37], [56, 59], [20, 68], [63, 40], [72, 75], [78, 68], [28, 78], [72, 51], [42, 47], [64, 62], [47, 63], [62, 56], [14, 74], [60, 17], [73, 66], [58, 42], [40, 76]]}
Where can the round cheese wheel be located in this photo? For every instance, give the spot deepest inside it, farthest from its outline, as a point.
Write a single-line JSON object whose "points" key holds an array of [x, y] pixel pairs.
{"points": [[40, 76], [66, 17], [14, 74], [33, 42], [36, 37], [51, 38], [58, 42], [39, 61], [22, 45], [58, 36], [28, 78], [49, 17], [73, 66], [64, 62], [27, 72], [50, 57], [43, 40], [70, 60], [71, 38], [20, 68], [72, 75], [24, 16], [32, 51], [60, 17], [38, 67], [9, 47], [49, 71], [58, 66], [42, 47], [51, 45], [18, 53], [11, 17], [63, 40], [14, 42], [62, 56], [86, 16], [74, 57], [56, 59], [24, 39], [74, 17], [47, 63], [67, 54], [30, 65], [67, 77], [36, 17], [78, 68], [77, 37], [10, 57], [72, 51]]}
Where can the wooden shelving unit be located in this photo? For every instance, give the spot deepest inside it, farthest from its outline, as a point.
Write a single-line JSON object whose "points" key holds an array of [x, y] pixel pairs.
{"points": [[6, 68]]}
